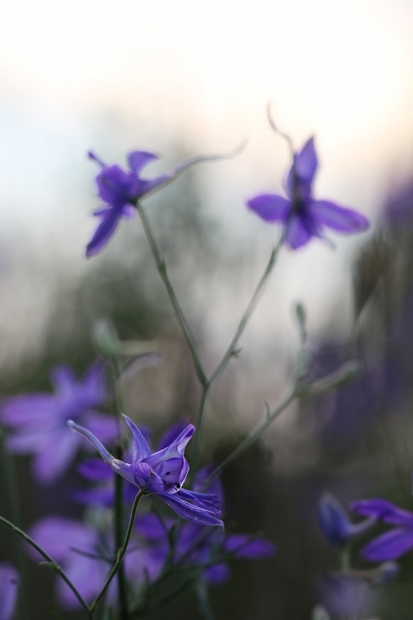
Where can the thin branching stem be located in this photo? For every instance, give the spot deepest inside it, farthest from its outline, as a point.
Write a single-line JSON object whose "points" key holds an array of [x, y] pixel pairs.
{"points": [[119, 483], [50, 562], [121, 551], [14, 501], [161, 265], [255, 434], [230, 352]]}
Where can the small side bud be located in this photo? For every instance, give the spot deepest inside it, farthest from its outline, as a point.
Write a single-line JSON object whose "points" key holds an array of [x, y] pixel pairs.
{"points": [[320, 613], [301, 315], [105, 338]]}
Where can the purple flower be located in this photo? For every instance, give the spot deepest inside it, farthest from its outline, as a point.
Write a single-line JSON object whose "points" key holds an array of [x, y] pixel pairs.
{"points": [[96, 470], [39, 420], [302, 216], [9, 584], [335, 524], [161, 473], [87, 554], [121, 189], [394, 543]]}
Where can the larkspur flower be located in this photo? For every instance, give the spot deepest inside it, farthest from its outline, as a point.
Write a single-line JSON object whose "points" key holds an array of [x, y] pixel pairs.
{"points": [[161, 473], [9, 585], [336, 525], [303, 217], [86, 551], [394, 543], [97, 471], [121, 189], [38, 420]]}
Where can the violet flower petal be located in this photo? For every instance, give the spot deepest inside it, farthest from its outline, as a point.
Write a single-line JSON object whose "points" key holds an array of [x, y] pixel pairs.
{"points": [[175, 449], [63, 380], [9, 584], [384, 511], [96, 470], [104, 231], [305, 163], [103, 426], [389, 546], [298, 231], [57, 535], [208, 501], [141, 449], [27, 409], [88, 576], [124, 469], [171, 434], [190, 512], [270, 207], [243, 546], [338, 218], [128, 212], [57, 453], [217, 574], [138, 159]]}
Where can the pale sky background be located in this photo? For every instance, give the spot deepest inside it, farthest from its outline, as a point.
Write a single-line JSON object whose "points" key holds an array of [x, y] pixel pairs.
{"points": [[202, 71]]}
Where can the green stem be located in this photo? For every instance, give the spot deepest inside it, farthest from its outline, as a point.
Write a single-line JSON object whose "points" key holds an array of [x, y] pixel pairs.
{"points": [[118, 511], [14, 501], [161, 265], [345, 559], [50, 562], [201, 590], [199, 433], [247, 314], [255, 433], [121, 551], [227, 356]]}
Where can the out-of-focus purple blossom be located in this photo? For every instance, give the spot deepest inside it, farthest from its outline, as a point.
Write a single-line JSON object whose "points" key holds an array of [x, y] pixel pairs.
{"points": [[394, 543], [39, 420], [161, 473], [335, 524], [398, 209], [303, 217], [120, 190], [348, 597], [87, 555], [197, 546], [9, 584]]}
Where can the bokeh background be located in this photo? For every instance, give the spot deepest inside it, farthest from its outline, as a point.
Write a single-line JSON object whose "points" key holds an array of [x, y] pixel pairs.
{"points": [[181, 78]]}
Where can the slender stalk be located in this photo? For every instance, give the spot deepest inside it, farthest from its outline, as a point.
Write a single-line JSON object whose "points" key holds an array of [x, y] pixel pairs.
{"points": [[255, 433], [231, 350], [161, 265], [119, 512], [198, 435], [247, 314], [121, 551], [50, 562], [228, 354], [201, 590], [14, 502], [345, 559]]}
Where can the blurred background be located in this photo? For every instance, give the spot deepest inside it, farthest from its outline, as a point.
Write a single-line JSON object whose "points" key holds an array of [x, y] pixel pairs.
{"points": [[182, 78]]}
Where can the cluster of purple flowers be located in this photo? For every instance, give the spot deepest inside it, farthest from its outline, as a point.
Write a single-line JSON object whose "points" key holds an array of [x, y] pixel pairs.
{"points": [[301, 216], [157, 542]]}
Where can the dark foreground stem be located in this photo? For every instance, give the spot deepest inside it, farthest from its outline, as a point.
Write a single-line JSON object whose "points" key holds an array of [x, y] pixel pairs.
{"points": [[121, 551], [50, 562]]}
